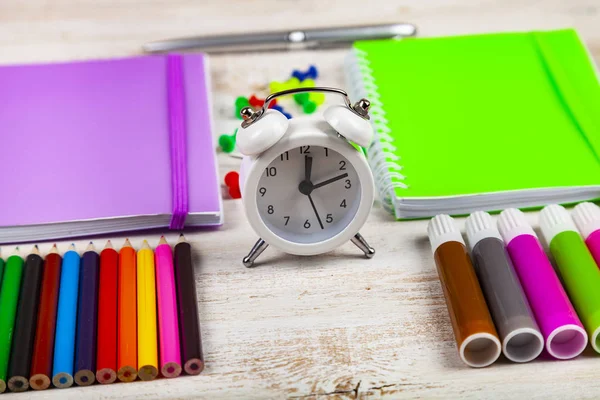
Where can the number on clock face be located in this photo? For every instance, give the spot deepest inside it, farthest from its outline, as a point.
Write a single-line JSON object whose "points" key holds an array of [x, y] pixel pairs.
{"points": [[308, 194]]}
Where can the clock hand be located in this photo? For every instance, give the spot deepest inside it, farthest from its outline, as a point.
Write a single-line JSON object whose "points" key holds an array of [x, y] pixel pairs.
{"points": [[328, 181], [307, 168], [312, 203]]}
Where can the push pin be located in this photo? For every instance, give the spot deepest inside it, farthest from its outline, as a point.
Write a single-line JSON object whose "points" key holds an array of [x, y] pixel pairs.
{"points": [[281, 110], [317, 98], [227, 142], [257, 103], [240, 103], [303, 99], [292, 83], [232, 181], [310, 73]]}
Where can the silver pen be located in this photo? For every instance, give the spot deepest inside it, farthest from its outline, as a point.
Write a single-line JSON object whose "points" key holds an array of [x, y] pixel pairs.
{"points": [[299, 39]]}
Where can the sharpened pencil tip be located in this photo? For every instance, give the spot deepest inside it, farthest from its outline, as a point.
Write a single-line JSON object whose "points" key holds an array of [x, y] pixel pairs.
{"points": [[145, 245], [127, 243], [90, 247], [109, 245], [181, 239], [36, 250], [72, 247], [54, 249], [162, 240]]}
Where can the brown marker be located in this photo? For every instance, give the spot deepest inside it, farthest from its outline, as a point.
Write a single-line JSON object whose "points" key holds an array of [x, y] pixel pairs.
{"points": [[476, 337]]}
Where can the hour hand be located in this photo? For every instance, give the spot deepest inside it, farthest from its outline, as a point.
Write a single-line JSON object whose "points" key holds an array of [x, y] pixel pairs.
{"points": [[328, 181], [307, 168]]}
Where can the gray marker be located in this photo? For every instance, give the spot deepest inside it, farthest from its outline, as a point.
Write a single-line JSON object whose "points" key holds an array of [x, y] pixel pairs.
{"points": [[518, 331]]}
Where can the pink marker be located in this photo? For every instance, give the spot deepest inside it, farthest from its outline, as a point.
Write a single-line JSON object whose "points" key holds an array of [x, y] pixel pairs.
{"points": [[587, 218], [561, 328], [168, 324]]}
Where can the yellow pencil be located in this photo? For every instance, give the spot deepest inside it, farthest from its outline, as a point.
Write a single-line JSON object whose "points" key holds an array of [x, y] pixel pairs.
{"points": [[146, 314]]}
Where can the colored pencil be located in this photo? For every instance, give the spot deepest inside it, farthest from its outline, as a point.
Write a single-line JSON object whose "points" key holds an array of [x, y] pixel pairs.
{"points": [[25, 323], [66, 321], [87, 323], [189, 324], [1, 268], [170, 356], [43, 348], [106, 355], [146, 313], [9, 296], [127, 342]]}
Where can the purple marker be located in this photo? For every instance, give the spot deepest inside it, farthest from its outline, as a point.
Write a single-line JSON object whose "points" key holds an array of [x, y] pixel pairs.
{"points": [[587, 218], [561, 328]]}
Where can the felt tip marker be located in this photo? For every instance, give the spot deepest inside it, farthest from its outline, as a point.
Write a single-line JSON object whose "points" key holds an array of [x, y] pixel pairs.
{"points": [[519, 333], [587, 219], [564, 335], [476, 337], [576, 265]]}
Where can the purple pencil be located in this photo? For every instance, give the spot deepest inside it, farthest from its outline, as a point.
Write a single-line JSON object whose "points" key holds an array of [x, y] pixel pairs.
{"points": [[561, 328]]}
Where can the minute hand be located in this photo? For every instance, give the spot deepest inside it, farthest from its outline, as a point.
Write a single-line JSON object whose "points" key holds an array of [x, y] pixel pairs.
{"points": [[328, 181]]}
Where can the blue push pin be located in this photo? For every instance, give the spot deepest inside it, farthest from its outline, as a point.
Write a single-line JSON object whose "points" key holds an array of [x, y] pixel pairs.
{"points": [[311, 73], [281, 110]]}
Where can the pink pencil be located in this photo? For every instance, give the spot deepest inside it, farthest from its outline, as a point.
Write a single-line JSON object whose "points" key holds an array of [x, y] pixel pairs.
{"points": [[168, 324]]}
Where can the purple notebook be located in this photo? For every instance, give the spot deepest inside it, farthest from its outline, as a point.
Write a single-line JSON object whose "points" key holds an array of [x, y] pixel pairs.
{"points": [[106, 146]]}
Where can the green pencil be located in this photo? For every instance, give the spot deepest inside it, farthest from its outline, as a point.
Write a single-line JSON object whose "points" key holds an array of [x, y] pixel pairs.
{"points": [[1, 268], [9, 296]]}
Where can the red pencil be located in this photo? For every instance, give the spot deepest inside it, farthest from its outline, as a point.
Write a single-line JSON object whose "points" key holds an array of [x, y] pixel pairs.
{"points": [[106, 357], [43, 347]]}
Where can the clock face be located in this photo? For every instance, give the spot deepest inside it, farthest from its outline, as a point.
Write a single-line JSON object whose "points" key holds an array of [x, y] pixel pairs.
{"points": [[308, 194]]}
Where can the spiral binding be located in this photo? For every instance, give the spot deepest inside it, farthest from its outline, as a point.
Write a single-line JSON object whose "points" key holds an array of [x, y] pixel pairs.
{"points": [[384, 163]]}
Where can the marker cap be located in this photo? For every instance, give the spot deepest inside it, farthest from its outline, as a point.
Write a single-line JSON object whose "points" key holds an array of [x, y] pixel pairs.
{"points": [[480, 225], [587, 218], [441, 229], [512, 223], [555, 219]]}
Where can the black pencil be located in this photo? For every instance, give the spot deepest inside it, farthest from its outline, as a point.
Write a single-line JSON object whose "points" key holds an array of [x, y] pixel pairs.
{"points": [[87, 321], [25, 323], [189, 324]]}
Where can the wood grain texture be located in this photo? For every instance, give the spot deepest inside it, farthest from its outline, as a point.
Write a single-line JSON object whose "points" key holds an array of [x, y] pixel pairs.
{"points": [[330, 327]]}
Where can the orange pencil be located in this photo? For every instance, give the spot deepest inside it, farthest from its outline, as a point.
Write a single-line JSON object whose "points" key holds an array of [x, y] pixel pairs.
{"points": [[127, 343]]}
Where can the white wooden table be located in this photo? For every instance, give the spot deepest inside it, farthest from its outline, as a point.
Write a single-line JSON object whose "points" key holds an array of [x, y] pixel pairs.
{"points": [[330, 327]]}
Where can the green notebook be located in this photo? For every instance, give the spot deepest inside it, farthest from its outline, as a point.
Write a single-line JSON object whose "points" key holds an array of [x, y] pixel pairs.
{"points": [[480, 122]]}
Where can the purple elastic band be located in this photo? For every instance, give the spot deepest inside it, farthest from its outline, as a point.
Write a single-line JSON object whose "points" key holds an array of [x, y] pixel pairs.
{"points": [[177, 139]]}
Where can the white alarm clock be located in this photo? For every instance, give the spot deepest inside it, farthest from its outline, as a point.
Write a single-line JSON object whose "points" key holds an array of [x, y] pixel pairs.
{"points": [[306, 188]]}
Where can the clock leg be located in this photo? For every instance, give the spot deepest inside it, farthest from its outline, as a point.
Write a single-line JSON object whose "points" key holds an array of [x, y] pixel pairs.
{"points": [[257, 249], [362, 244]]}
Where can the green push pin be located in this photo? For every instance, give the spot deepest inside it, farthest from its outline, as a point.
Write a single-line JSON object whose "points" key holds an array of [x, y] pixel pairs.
{"points": [[309, 107], [301, 98], [240, 103], [227, 142]]}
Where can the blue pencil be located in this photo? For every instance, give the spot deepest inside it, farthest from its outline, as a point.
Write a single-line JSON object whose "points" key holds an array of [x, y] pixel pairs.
{"points": [[64, 345]]}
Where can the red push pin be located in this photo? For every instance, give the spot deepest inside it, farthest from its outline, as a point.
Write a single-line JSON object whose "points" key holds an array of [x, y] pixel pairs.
{"points": [[257, 103], [232, 180]]}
